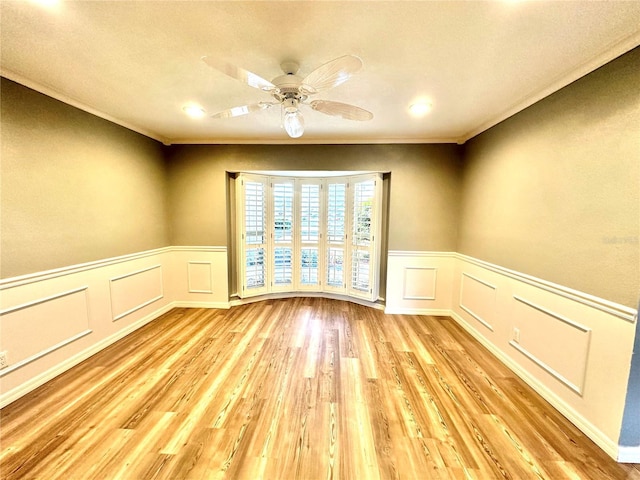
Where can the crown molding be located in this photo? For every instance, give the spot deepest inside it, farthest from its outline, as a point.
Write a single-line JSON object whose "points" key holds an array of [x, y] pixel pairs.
{"points": [[611, 52], [51, 92]]}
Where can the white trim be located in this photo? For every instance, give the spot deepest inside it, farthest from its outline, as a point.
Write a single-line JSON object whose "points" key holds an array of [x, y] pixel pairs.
{"points": [[138, 307], [433, 312], [557, 316], [621, 311], [143, 304], [50, 92], [44, 352], [189, 304], [82, 267], [186, 248], [539, 362], [194, 290], [53, 372], [417, 297], [582, 423], [467, 309], [477, 317], [313, 141], [486, 284], [419, 254], [43, 300], [616, 309], [281, 295], [610, 52], [136, 272], [628, 454], [546, 368]]}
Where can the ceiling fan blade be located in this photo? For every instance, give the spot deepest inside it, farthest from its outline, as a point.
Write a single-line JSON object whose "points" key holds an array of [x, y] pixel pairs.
{"points": [[331, 74], [344, 110], [243, 110], [245, 76]]}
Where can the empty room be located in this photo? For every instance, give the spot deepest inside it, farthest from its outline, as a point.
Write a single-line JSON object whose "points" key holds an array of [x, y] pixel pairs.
{"points": [[319, 240]]}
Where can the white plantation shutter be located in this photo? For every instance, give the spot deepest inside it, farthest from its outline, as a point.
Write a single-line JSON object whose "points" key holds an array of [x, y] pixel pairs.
{"points": [[362, 237], [283, 233], [336, 200], [253, 225], [309, 234]]}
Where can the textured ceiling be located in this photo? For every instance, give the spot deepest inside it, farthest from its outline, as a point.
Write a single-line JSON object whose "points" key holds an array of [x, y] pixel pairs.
{"points": [[138, 63]]}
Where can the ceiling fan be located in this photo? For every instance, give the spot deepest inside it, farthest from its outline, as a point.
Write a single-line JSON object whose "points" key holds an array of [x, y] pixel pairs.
{"points": [[292, 91]]}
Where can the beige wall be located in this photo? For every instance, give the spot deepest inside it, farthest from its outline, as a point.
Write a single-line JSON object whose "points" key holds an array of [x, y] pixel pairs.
{"points": [[424, 186], [551, 192], [75, 188], [554, 191]]}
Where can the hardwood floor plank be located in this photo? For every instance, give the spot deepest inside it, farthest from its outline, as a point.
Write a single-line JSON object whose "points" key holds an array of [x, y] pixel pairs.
{"points": [[303, 388]]}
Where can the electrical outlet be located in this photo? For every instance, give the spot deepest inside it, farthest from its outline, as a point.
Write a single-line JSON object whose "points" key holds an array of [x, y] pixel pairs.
{"points": [[3, 360], [516, 334]]}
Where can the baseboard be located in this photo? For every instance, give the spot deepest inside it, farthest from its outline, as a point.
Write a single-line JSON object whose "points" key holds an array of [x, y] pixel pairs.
{"points": [[434, 312], [44, 377], [605, 443], [220, 305], [281, 295], [628, 454]]}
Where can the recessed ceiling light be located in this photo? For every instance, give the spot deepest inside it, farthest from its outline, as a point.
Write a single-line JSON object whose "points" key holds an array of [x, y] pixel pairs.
{"points": [[420, 108], [194, 111], [46, 3]]}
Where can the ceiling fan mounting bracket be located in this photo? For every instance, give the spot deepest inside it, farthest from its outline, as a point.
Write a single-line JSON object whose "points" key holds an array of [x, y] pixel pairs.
{"points": [[289, 67]]}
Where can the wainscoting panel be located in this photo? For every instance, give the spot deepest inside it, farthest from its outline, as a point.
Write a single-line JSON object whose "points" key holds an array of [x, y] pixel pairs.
{"points": [[38, 327], [478, 299], [557, 344], [53, 320], [572, 348], [419, 282], [135, 290], [200, 277]]}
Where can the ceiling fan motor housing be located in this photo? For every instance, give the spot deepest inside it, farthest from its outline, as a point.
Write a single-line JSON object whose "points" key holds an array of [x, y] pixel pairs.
{"points": [[287, 88]]}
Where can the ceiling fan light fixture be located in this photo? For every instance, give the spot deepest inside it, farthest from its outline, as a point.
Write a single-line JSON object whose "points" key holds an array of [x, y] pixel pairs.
{"points": [[294, 124], [290, 105]]}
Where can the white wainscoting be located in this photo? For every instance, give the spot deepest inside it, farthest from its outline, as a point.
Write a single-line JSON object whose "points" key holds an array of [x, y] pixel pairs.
{"points": [[555, 343], [419, 283], [135, 290], [478, 299], [44, 325], [199, 277], [572, 348], [53, 320]]}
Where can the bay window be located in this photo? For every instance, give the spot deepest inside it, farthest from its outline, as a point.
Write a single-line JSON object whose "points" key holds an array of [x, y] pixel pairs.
{"points": [[300, 234]]}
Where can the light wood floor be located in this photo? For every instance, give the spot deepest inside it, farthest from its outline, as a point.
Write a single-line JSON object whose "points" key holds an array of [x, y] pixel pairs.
{"points": [[294, 389]]}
